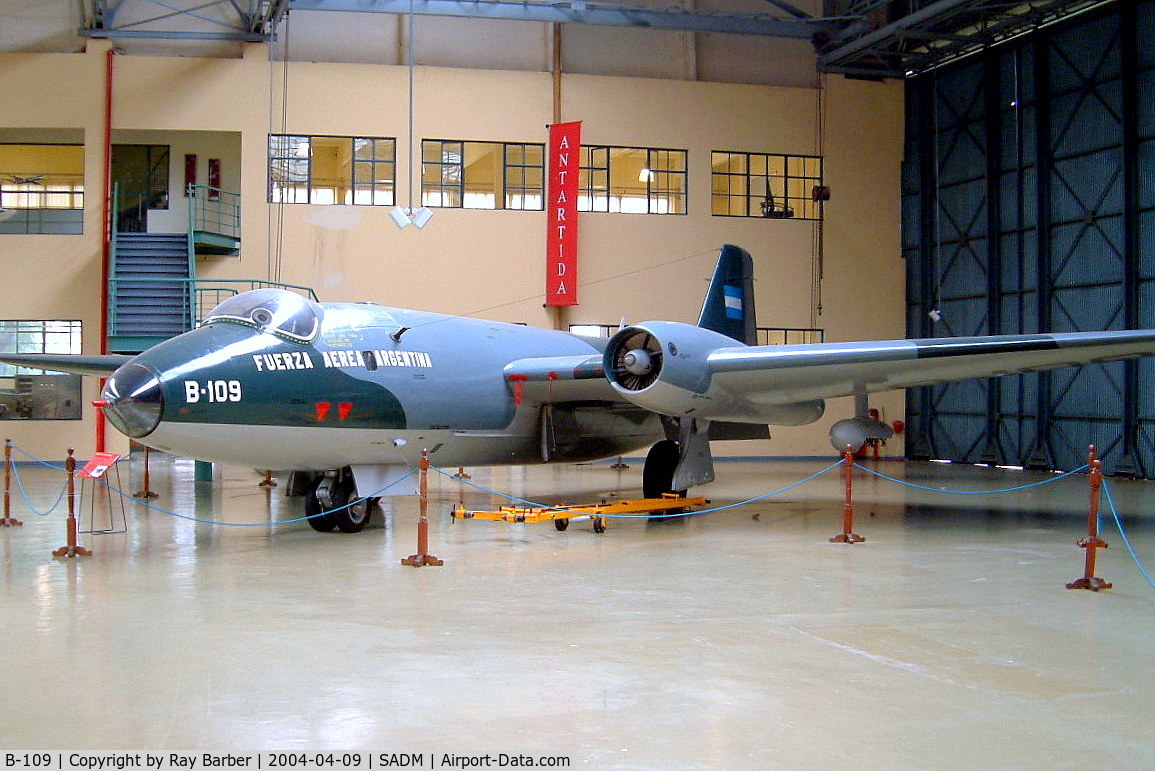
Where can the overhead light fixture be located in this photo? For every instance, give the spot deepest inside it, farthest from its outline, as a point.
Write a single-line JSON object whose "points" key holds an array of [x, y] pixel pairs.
{"points": [[402, 217], [646, 175], [399, 216], [302, 149]]}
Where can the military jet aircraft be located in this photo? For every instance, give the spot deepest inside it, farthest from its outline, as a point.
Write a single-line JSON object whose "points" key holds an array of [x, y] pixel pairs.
{"points": [[347, 395]]}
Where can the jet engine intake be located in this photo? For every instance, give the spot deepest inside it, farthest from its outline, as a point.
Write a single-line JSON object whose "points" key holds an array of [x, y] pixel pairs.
{"points": [[663, 366]]}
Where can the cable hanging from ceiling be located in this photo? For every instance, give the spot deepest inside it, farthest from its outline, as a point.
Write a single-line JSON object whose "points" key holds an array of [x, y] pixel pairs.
{"points": [[276, 237], [410, 215], [818, 252]]}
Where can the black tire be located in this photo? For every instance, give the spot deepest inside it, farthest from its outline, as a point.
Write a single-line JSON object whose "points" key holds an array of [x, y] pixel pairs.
{"points": [[599, 525], [318, 519], [561, 524], [347, 519], [355, 518]]}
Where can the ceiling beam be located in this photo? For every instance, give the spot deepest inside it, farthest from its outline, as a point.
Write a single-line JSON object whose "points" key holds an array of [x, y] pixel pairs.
{"points": [[583, 12]]}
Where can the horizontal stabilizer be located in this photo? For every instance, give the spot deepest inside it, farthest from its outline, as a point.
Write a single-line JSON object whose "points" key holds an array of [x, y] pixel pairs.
{"points": [[79, 364]]}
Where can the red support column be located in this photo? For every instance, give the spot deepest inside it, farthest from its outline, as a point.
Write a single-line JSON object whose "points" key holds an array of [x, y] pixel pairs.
{"points": [[72, 549], [422, 557], [1092, 541], [9, 520], [848, 535]]}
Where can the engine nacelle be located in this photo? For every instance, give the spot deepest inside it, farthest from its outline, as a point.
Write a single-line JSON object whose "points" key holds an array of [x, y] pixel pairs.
{"points": [[662, 366], [854, 432]]}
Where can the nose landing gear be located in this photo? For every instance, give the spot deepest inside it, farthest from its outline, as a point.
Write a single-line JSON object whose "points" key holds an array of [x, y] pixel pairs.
{"points": [[326, 504]]}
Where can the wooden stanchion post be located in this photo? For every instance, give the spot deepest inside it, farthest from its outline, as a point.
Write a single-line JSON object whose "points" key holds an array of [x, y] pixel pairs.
{"points": [[9, 520], [422, 557], [147, 493], [72, 549], [1092, 541], [848, 535]]}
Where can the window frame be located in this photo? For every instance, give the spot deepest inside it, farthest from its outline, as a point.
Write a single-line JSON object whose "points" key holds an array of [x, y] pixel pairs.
{"points": [[454, 181], [287, 155], [598, 195], [16, 196], [802, 207], [38, 330]]}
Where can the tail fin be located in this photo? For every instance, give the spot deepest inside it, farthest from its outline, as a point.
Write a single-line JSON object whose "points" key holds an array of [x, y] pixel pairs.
{"points": [[729, 305]]}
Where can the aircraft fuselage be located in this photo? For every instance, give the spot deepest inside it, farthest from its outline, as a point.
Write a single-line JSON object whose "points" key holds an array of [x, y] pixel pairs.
{"points": [[352, 394]]}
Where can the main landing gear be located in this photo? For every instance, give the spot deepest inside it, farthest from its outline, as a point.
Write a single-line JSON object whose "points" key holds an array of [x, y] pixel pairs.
{"points": [[327, 499], [658, 474]]}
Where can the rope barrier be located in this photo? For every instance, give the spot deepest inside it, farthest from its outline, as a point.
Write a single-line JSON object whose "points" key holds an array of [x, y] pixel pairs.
{"points": [[714, 510], [458, 478], [23, 492], [123, 494], [221, 523], [34, 459], [1126, 540], [1020, 488]]}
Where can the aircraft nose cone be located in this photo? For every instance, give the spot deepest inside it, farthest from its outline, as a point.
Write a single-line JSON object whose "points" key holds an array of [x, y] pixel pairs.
{"points": [[135, 400]]}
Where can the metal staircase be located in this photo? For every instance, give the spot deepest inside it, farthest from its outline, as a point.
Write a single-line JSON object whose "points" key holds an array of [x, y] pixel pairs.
{"points": [[153, 291], [149, 292]]}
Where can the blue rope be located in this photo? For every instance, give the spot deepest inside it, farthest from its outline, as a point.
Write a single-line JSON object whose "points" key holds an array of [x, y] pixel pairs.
{"points": [[547, 507], [1126, 540], [373, 494], [34, 459], [28, 501], [1020, 488], [123, 494]]}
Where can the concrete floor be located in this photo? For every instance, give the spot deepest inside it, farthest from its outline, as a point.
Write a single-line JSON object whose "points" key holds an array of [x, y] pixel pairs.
{"points": [[741, 639]]}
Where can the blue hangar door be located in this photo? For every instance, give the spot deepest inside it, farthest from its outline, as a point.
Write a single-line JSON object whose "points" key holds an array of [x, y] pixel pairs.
{"points": [[1029, 206]]}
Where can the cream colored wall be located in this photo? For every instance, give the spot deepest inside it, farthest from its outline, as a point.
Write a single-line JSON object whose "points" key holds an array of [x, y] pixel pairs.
{"points": [[487, 263]]}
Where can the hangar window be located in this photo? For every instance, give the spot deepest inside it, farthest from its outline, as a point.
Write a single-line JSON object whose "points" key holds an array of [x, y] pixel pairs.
{"points": [[332, 170], [632, 180], [482, 175], [766, 185], [33, 394], [42, 189]]}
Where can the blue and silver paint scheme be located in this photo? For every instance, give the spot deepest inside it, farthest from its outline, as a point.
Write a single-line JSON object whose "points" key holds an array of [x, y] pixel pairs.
{"points": [[273, 380]]}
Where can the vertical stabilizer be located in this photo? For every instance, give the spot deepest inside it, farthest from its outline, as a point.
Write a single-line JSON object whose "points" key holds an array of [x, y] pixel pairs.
{"points": [[729, 305]]}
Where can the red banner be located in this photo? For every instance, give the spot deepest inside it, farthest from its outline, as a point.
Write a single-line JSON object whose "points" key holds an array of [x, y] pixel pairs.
{"points": [[561, 214]]}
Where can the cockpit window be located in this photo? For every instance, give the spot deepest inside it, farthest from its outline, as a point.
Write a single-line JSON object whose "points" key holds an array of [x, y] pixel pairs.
{"points": [[272, 310]]}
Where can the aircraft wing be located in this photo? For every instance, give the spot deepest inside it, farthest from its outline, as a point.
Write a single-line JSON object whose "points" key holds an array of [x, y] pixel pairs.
{"points": [[797, 373], [64, 362]]}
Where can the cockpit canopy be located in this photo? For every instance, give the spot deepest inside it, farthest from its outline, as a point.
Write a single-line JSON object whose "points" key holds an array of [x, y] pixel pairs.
{"points": [[277, 311]]}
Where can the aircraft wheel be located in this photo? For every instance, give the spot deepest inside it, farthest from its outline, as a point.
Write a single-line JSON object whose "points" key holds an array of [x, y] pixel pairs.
{"points": [[599, 525], [561, 525], [318, 519], [354, 518], [658, 473]]}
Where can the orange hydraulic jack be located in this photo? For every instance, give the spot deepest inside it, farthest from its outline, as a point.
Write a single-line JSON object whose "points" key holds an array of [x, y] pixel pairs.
{"points": [[9, 520], [1092, 541], [847, 535], [423, 557], [72, 549]]}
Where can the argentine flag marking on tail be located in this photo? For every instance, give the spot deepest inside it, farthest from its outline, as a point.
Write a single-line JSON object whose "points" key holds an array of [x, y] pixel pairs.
{"points": [[733, 297]]}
